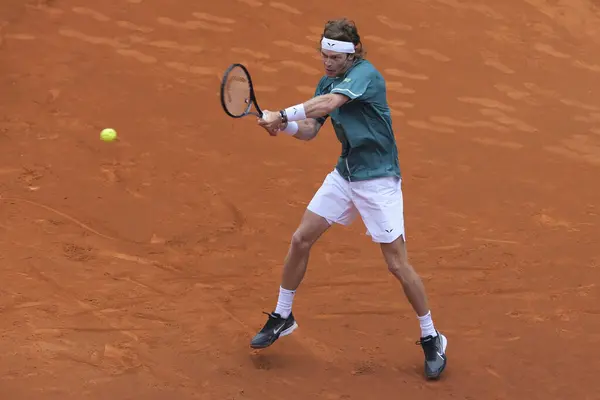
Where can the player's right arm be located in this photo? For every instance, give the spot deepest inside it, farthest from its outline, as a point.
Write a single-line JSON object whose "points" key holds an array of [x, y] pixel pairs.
{"points": [[307, 129]]}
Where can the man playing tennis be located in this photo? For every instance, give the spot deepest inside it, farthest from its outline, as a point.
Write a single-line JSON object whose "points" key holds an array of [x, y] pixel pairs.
{"points": [[366, 181]]}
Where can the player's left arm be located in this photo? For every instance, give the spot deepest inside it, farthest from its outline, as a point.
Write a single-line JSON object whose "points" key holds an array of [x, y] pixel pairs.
{"points": [[314, 113], [319, 106], [355, 86]]}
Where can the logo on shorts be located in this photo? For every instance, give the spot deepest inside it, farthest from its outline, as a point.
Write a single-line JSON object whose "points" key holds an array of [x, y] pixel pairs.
{"points": [[389, 230]]}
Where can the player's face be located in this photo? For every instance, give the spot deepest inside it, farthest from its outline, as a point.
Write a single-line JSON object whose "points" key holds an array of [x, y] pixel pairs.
{"points": [[335, 63]]}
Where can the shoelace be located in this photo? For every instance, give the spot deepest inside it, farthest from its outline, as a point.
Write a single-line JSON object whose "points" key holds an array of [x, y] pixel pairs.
{"points": [[271, 315], [273, 319], [429, 347]]}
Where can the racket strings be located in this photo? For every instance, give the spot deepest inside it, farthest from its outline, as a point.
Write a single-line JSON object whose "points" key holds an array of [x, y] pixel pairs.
{"points": [[237, 92]]}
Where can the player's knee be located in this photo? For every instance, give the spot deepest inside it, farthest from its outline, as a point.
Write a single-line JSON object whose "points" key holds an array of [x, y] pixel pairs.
{"points": [[403, 271], [301, 241], [397, 268]]}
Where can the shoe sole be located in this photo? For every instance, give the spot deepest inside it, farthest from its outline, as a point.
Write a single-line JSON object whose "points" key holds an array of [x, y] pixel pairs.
{"points": [[287, 332], [444, 346]]}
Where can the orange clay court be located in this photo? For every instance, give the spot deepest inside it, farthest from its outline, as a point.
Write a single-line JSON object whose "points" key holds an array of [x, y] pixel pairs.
{"points": [[140, 269]]}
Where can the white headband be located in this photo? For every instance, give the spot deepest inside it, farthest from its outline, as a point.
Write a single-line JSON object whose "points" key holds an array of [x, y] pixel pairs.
{"points": [[337, 46]]}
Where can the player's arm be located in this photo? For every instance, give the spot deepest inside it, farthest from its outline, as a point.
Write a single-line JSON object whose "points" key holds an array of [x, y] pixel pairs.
{"points": [[307, 129], [305, 119], [316, 107], [356, 86]]}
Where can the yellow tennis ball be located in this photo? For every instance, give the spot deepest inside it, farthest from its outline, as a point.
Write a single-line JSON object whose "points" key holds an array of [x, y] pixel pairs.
{"points": [[108, 134]]}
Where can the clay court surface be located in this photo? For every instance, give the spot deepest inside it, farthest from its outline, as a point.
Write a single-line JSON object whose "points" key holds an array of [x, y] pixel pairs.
{"points": [[139, 269]]}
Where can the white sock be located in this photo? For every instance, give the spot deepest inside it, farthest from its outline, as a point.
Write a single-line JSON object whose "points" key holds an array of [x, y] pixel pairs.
{"points": [[427, 328], [284, 303]]}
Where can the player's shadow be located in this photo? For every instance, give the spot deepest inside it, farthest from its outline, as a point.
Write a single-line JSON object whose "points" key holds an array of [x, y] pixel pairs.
{"points": [[281, 359], [264, 361], [284, 358], [410, 370]]}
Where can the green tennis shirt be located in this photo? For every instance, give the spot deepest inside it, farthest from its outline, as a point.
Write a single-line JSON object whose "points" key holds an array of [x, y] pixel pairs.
{"points": [[363, 125]]}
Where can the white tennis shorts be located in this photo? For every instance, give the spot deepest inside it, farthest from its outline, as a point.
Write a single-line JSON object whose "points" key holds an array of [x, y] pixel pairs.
{"points": [[378, 201]]}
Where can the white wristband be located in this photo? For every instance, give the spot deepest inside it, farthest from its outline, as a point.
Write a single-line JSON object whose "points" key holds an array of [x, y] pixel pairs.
{"points": [[295, 113], [291, 128]]}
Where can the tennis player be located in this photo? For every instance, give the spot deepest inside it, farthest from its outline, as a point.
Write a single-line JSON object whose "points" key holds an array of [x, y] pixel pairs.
{"points": [[366, 181]]}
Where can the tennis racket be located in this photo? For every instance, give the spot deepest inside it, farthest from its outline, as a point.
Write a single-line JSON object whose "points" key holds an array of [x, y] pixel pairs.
{"points": [[237, 93]]}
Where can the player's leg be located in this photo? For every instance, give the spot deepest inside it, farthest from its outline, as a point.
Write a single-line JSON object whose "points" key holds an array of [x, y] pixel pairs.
{"points": [[380, 204], [396, 258], [433, 343], [281, 322], [309, 231], [330, 204]]}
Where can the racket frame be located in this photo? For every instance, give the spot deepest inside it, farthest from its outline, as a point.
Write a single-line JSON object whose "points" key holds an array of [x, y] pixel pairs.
{"points": [[252, 99]]}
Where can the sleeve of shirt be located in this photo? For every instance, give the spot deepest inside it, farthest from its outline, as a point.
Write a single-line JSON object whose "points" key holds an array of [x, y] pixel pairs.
{"points": [[355, 85]]}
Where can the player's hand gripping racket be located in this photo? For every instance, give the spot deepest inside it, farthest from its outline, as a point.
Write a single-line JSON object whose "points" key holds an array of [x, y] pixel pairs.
{"points": [[237, 93]]}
